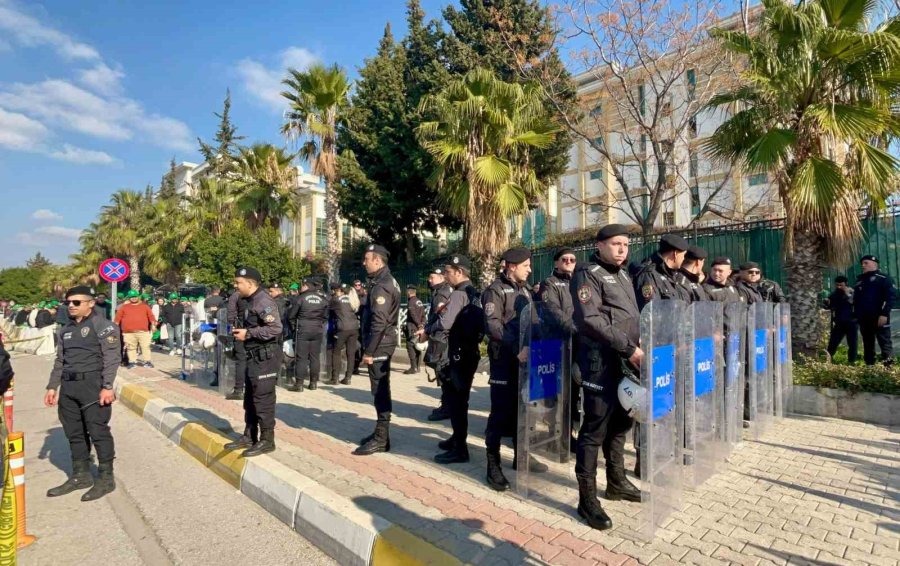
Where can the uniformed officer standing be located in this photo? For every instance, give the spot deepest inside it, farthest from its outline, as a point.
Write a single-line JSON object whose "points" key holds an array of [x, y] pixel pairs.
{"points": [[608, 324], [460, 324], [843, 320], [87, 357], [755, 289], [281, 301], [656, 279], [690, 275], [503, 302], [240, 350], [718, 285], [346, 331], [873, 298], [415, 321], [308, 318], [380, 318], [440, 294], [259, 329], [557, 299]]}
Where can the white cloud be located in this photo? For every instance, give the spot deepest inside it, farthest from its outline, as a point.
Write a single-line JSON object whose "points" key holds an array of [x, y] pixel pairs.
{"points": [[265, 82], [20, 132], [45, 214], [102, 79], [26, 30], [48, 236], [83, 156], [59, 231]]}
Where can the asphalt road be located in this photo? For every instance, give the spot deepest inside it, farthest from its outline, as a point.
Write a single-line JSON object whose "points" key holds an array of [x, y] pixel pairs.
{"points": [[167, 508]]}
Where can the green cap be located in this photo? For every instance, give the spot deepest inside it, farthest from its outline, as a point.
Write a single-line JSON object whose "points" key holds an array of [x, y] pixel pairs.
{"points": [[132, 293], [54, 303], [41, 304], [120, 295], [184, 299], [173, 296], [294, 286], [145, 295]]}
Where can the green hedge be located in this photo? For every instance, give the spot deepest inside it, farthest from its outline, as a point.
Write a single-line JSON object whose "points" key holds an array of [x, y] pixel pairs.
{"points": [[856, 378]]}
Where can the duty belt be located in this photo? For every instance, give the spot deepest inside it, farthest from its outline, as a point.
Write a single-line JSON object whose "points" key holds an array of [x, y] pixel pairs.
{"points": [[78, 376]]}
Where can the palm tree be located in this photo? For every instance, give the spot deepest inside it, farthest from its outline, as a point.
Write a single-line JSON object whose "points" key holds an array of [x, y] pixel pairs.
{"points": [[481, 136], [814, 111], [318, 102], [266, 186], [168, 234], [210, 207], [122, 229]]}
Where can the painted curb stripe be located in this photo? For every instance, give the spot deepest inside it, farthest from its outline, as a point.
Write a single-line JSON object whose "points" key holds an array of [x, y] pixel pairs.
{"points": [[396, 545]]}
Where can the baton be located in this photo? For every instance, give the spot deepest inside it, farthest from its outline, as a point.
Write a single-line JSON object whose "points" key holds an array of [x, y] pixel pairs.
{"points": [[89, 404]]}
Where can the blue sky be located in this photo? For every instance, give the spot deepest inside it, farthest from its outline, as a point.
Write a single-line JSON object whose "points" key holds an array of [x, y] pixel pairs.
{"points": [[97, 96]]}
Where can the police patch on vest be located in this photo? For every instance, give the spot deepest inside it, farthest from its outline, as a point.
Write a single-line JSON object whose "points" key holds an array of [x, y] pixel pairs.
{"points": [[379, 301], [270, 318], [85, 331], [112, 339], [584, 294], [647, 291], [489, 309]]}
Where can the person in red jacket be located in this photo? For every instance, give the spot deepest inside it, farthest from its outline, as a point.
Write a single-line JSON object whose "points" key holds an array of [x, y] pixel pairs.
{"points": [[136, 320]]}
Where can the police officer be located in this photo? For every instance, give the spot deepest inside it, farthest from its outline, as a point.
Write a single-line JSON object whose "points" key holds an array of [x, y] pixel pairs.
{"points": [[415, 321], [381, 315], [461, 324], [843, 321], [346, 331], [276, 291], [656, 279], [87, 357], [558, 308], [608, 323], [440, 294], [503, 302], [259, 329], [240, 350], [873, 298], [719, 286], [308, 318], [755, 289], [690, 275]]}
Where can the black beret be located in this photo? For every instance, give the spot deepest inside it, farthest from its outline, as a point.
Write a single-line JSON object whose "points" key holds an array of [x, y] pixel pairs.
{"points": [[696, 252], [461, 261], [561, 252], [380, 250], [411, 286], [436, 271], [673, 242], [516, 255], [869, 257], [749, 265], [336, 286], [275, 285], [248, 273], [611, 231], [80, 290], [721, 260], [840, 279]]}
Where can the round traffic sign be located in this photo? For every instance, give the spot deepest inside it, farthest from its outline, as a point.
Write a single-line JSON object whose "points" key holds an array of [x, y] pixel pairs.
{"points": [[114, 270]]}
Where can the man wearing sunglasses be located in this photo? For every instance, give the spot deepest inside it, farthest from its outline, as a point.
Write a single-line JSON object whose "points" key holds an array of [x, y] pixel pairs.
{"points": [[87, 358], [755, 289]]}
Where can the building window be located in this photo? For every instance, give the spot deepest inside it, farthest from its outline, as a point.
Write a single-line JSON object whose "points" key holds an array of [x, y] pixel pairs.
{"points": [[691, 83], [669, 219], [644, 143], [598, 141], [595, 208], [758, 179], [321, 237], [695, 200], [693, 164], [597, 111], [692, 127], [642, 100], [596, 175]]}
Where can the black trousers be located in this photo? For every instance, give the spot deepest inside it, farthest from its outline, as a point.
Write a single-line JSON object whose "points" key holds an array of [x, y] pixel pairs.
{"points": [[870, 331], [344, 348], [502, 420], [839, 331], [414, 355], [308, 348], [604, 426], [259, 389], [460, 374], [84, 421], [240, 364], [380, 381]]}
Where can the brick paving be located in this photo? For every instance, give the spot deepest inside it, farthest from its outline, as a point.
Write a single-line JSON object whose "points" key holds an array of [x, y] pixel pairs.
{"points": [[812, 490]]}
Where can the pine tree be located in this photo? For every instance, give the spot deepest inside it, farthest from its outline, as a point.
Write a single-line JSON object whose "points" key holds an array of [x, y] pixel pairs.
{"points": [[220, 155], [167, 187], [37, 261]]}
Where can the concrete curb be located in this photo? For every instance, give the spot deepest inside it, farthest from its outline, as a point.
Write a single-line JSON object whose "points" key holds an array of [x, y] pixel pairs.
{"points": [[332, 522]]}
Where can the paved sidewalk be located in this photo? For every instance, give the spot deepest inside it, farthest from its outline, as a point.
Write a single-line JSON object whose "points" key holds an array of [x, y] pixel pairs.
{"points": [[813, 490]]}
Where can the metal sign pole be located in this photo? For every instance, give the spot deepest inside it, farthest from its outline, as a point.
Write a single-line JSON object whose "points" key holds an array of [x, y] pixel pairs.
{"points": [[114, 296]]}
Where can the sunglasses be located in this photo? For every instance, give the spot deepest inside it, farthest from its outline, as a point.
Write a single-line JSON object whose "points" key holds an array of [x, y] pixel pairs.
{"points": [[568, 260], [753, 272], [74, 303]]}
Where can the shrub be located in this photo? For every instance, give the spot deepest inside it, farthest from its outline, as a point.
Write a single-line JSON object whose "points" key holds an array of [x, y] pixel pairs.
{"points": [[868, 379]]}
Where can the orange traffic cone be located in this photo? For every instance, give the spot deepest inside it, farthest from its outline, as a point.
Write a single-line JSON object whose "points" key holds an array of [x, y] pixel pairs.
{"points": [[17, 467], [7, 507], [8, 399]]}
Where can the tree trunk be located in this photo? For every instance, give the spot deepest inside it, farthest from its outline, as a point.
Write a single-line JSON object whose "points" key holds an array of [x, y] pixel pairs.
{"points": [[134, 266], [486, 266], [410, 248], [804, 281], [333, 252]]}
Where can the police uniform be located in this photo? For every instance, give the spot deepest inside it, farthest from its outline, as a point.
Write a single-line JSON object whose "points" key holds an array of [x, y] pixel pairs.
{"points": [[258, 314], [380, 318], [656, 280], [692, 281], [608, 332], [843, 322], [440, 294], [239, 348], [461, 324], [346, 332], [87, 358], [874, 296], [503, 302], [765, 290], [415, 321], [309, 316]]}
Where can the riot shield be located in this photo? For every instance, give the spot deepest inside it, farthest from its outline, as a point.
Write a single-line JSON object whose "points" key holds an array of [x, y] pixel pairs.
{"points": [[225, 353], [735, 322], [324, 358], [784, 368], [703, 389], [663, 340], [184, 344], [544, 386], [203, 348], [760, 390]]}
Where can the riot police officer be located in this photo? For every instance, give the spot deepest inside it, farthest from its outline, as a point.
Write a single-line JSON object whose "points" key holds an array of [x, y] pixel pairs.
{"points": [[415, 321], [843, 320], [874, 297], [381, 315], [656, 279], [755, 289], [690, 275], [461, 324], [440, 294], [87, 357], [259, 329], [308, 317], [608, 323], [503, 301], [718, 285]]}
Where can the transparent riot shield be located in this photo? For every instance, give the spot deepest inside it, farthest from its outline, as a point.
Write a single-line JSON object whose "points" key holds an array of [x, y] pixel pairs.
{"points": [[185, 345], [703, 389], [544, 387], [784, 367], [225, 353], [735, 322], [663, 341], [203, 348], [760, 390], [324, 358]]}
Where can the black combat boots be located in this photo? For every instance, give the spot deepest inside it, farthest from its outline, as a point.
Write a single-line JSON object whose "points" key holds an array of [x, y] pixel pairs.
{"points": [[378, 441], [81, 478], [589, 507], [495, 478], [265, 445], [105, 483], [246, 440], [618, 487]]}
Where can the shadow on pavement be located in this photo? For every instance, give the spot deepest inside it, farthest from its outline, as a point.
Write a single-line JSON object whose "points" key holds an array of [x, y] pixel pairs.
{"points": [[866, 506], [56, 449], [790, 558]]}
